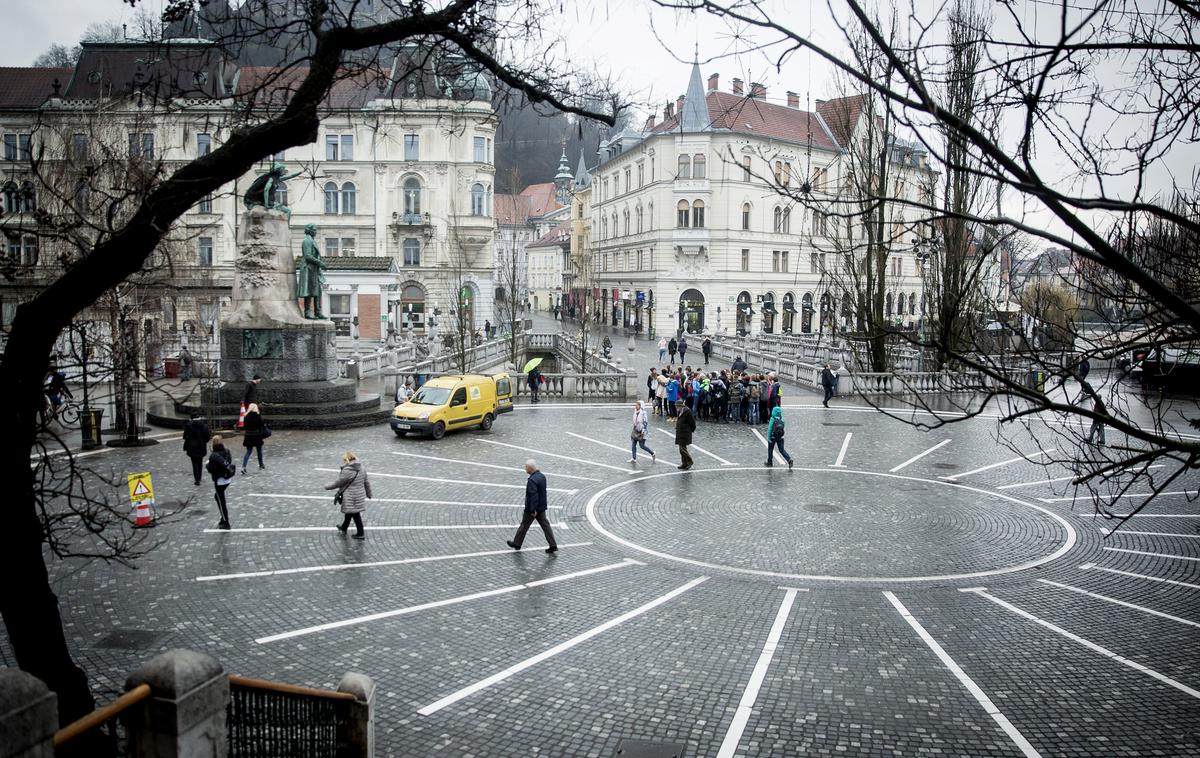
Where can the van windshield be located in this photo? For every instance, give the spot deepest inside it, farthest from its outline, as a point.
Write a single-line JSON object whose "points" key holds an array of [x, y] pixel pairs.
{"points": [[431, 396]]}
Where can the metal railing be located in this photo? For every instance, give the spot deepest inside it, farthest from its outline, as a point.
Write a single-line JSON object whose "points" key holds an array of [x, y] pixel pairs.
{"points": [[270, 719], [99, 733]]}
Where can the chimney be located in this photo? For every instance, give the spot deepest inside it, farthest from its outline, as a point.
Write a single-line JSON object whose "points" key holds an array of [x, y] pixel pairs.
{"points": [[737, 86], [668, 111], [679, 106], [758, 90], [793, 100], [650, 121], [712, 82]]}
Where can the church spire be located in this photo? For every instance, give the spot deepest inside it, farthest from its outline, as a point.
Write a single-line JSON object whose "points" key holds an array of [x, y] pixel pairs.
{"points": [[582, 177], [694, 117]]}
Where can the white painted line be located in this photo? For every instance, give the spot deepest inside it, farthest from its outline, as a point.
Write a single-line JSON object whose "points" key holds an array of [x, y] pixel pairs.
{"points": [[761, 438], [555, 455], [440, 603], [623, 450], [1119, 532], [1153, 555], [1087, 496], [919, 456], [1092, 566], [842, 453], [741, 716], [996, 465], [699, 449], [976, 692], [500, 676], [453, 481], [367, 564], [981, 592], [1062, 479], [492, 465], [1137, 515], [371, 529], [1114, 601], [396, 500]]}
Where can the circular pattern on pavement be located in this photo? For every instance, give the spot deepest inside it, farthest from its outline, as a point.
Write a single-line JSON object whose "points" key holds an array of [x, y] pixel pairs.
{"points": [[829, 524]]}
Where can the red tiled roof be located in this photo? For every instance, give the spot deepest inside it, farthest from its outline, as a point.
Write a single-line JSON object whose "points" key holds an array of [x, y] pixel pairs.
{"points": [[166, 70], [541, 198], [841, 114], [556, 237], [511, 209], [754, 116], [28, 88]]}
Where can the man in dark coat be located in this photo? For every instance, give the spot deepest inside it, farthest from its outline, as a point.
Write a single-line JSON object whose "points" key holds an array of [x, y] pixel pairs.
{"points": [[828, 381], [535, 508], [251, 393], [739, 365], [706, 348], [534, 380], [684, 426], [672, 348], [195, 443]]}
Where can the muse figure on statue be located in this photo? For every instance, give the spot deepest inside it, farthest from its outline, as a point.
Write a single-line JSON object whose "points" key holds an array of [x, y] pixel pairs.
{"points": [[312, 277], [264, 191]]}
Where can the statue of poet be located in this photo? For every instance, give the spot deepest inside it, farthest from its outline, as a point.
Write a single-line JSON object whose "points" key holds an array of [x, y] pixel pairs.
{"points": [[312, 277]]}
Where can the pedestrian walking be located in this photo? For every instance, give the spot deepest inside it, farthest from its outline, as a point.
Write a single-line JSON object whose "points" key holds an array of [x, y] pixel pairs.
{"points": [[684, 426], [739, 365], [672, 348], [253, 435], [220, 467], [185, 367], [251, 393], [1096, 432], [535, 509], [353, 489], [637, 436], [775, 431], [535, 379], [487, 328], [706, 348], [195, 443], [683, 349], [828, 382], [662, 349], [651, 384]]}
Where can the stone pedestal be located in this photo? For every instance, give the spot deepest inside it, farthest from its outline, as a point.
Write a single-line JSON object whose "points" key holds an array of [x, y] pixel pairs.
{"points": [[283, 353], [184, 717], [28, 716]]}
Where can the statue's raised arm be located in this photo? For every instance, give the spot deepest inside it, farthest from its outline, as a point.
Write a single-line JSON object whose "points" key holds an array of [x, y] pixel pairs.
{"points": [[264, 191]]}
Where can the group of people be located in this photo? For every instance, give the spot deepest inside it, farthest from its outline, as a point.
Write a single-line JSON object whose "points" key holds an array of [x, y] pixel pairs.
{"points": [[718, 396], [668, 348]]}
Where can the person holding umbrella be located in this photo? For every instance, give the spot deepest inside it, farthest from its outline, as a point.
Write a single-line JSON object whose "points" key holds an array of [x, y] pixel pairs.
{"points": [[534, 376]]}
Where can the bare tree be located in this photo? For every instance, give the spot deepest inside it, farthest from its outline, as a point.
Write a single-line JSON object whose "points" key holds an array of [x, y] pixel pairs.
{"points": [[317, 49]]}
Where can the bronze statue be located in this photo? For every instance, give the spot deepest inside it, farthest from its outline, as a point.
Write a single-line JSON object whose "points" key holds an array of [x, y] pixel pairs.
{"points": [[312, 278], [264, 190]]}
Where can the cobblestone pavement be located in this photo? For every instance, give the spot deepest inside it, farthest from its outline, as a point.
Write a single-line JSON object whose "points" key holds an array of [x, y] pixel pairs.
{"points": [[864, 603]]}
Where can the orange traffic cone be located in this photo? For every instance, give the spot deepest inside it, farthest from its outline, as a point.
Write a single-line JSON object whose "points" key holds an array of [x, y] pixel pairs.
{"points": [[142, 515], [241, 416]]}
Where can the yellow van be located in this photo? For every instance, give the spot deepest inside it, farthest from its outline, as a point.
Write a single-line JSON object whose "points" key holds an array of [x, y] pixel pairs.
{"points": [[454, 402]]}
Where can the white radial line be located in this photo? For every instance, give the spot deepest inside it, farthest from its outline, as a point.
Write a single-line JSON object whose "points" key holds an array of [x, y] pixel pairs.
{"points": [[441, 603], [1153, 555], [492, 465], [618, 447], [976, 692], [393, 500], [982, 592], [454, 481], [1059, 479], [1087, 496], [500, 676], [366, 564], [919, 456], [991, 466], [1119, 532], [842, 453], [1092, 566], [1137, 515], [761, 438], [556, 455], [699, 449], [373, 528], [1114, 601], [741, 716]]}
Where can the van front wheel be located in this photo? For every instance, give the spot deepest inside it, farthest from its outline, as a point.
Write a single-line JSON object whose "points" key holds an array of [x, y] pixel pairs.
{"points": [[486, 423], [439, 430]]}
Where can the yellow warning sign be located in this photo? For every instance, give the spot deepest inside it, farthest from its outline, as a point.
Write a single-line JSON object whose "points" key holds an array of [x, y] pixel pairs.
{"points": [[141, 488]]}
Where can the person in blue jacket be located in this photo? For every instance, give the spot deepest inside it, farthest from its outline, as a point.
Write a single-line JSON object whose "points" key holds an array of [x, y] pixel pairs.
{"points": [[775, 430]]}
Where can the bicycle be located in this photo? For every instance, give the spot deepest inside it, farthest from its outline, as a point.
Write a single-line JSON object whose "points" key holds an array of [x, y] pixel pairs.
{"points": [[67, 412]]}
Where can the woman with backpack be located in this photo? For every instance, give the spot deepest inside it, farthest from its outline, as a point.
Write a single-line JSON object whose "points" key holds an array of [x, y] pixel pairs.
{"points": [[754, 399], [220, 467], [775, 431], [353, 488], [637, 436], [254, 432]]}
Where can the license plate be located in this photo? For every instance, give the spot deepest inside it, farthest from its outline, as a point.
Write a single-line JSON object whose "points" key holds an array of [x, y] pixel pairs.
{"points": [[404, 426]]}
